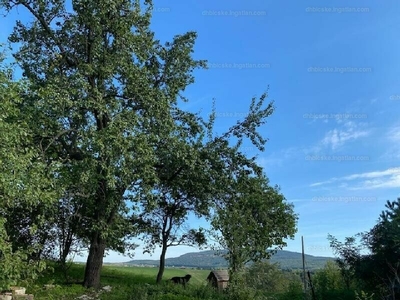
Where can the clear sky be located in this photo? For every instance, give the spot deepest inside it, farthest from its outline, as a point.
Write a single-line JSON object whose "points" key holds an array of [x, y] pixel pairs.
{"points": [[333, 70]]}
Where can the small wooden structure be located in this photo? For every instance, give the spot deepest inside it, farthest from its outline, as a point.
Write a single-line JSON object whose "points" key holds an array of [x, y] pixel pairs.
{"points": [[219, 279]]}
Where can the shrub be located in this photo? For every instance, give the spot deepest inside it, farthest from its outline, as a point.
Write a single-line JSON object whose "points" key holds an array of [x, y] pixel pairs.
{"points": [[14, 265]]}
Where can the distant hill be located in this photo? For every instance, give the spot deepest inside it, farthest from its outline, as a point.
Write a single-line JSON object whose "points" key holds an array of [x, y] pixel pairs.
{"points": [[211, 260]]}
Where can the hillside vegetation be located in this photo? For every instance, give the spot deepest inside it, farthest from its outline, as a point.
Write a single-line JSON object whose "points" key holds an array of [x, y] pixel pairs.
{"points": [[287, 260]]}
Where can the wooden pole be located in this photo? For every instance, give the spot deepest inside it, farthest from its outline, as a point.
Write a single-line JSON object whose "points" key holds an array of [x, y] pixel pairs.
{"points": [[304, 266], [312, 287]]}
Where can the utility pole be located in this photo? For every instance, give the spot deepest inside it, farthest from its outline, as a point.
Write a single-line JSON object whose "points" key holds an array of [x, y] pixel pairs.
{"points": [[304, 268], [312, 287]]}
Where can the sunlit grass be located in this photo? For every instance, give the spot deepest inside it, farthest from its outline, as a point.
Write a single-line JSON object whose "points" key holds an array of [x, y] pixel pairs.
{"points": [[126, 282]]}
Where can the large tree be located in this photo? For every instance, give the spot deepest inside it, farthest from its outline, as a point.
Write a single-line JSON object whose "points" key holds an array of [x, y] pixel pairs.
{"points": [[182, 188], [383, 242], [196, 173], [253, 220], [106, 92]]}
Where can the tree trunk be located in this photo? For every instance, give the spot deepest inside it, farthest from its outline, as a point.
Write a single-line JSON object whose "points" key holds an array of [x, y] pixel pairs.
{"points": [[66, 247], [162, 263], [94, 262]]}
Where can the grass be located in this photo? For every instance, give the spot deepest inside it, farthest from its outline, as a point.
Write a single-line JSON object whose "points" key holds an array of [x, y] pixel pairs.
{"points": [[126, 282], [138, 283], [149, 274]]}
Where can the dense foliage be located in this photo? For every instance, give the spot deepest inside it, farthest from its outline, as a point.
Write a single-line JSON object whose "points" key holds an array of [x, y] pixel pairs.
{"points": [[251, 218], [25, 182], [378, 271]]}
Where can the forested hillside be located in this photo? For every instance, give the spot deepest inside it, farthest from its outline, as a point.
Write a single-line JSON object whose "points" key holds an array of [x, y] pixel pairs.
{"points": [[211, 260]]}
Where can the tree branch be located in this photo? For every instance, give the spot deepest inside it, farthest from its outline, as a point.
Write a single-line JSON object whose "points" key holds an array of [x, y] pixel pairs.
{"points": [[47, 28]]}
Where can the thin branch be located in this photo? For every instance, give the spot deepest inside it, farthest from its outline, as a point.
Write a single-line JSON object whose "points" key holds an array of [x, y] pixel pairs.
{"points": [[46, 27]]}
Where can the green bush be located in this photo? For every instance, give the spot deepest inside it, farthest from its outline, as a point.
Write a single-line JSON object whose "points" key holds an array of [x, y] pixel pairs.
{"points": [[15, 267], [329, 284], [269, 279]]}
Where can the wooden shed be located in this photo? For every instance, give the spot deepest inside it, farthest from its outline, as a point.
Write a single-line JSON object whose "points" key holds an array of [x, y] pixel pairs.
{"points": [[218, 279]]}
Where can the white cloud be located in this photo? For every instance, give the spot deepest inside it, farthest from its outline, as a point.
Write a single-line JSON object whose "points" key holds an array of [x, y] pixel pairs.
{"points": [[394, 134], [391, 182], [389, 178], [336, 138], [375, 174], [393, 144], [323, 182]]}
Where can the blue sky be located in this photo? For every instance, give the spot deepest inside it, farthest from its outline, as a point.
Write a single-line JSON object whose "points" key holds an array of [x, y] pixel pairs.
{"points": [[332, 68]]}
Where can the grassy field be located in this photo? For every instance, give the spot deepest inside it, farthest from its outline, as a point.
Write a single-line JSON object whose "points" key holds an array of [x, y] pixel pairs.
{"points": [[198, 276], [126, 283], [138, 283]]}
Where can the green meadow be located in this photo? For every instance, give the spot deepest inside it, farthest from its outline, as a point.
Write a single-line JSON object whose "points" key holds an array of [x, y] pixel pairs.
{"points": [[138, 283], [126, 283], [148, 274]]}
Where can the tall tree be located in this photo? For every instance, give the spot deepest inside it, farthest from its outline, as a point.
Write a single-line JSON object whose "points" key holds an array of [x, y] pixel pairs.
{"points": [[106, 93], [251, 219], [383, 241], [379, 270], [348, 259], [384, 238], [197, 169], [183, 188]]}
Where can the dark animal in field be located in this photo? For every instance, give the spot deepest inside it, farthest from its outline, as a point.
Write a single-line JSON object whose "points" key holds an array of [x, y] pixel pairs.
{"points": [[181, 280]]}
